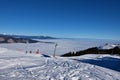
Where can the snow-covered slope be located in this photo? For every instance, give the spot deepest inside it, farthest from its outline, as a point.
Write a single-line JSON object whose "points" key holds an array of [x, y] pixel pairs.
{"points": [[109, 46], [17, 65]]}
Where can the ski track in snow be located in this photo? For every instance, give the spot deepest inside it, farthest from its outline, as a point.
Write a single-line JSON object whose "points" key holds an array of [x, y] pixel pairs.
{"points": [[36, 67], [17, 65]]}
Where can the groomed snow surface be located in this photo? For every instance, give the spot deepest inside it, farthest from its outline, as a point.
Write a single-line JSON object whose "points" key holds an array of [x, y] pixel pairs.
{"points": [[17, 65]]}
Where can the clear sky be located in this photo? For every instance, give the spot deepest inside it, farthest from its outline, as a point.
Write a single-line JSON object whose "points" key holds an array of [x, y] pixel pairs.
{"points": [[61, 18]]}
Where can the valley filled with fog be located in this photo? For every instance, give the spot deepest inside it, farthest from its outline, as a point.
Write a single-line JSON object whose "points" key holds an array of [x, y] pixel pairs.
{"points": [[64, 45]]}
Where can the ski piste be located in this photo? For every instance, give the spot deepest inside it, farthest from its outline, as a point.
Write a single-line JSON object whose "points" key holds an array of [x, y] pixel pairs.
{"points": [[17, 65]]}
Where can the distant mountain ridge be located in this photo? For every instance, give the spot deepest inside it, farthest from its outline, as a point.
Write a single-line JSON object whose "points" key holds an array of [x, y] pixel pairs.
{"points": [[10, 39], [29, 37]]}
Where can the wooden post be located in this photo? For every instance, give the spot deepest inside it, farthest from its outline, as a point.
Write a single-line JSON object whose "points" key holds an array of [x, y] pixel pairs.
{"points": [[55, 49]]}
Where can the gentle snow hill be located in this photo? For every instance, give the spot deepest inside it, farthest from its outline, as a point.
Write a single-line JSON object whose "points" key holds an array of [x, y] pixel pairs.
{"points": [[17, 65], [109, 46]]}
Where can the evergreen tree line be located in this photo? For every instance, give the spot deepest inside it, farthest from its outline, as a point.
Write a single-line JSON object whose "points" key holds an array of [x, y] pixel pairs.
{"points": [[94, 50]]}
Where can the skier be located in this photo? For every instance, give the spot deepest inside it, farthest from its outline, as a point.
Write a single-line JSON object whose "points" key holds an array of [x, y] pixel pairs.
{"points": [[37, 52], [30, 51]]}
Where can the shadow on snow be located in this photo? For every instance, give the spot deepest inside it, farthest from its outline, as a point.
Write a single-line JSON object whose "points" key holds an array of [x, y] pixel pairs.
{"points": [[107, 62]]}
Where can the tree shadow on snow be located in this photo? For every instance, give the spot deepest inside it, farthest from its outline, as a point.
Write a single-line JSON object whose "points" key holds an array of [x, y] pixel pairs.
{"points": [[107, 62]]}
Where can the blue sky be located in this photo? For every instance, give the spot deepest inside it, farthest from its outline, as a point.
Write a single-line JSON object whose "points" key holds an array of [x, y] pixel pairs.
{"points": [[61, 18]]}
